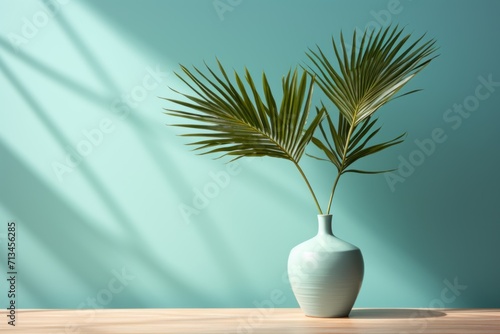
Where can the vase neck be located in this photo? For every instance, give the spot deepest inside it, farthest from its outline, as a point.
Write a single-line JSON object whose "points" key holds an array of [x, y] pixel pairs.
{"points": [[325, 224]]}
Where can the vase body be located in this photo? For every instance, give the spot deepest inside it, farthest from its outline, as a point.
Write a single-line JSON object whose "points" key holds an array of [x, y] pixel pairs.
{"points": [[325, 273]]}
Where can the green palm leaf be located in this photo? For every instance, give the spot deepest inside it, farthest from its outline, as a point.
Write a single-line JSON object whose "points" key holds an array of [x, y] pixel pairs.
{"points": [[232, 118], [370, 77], [360, 82], [236, 120]]}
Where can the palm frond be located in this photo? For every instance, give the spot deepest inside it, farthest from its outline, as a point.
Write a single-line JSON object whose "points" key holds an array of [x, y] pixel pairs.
{"points": [[334, 142], [372, 74], [358, 82], [236, 120]]}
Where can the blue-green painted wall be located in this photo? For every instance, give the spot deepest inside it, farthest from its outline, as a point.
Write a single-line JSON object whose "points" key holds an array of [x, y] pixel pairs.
{"points": [[107, 231]]}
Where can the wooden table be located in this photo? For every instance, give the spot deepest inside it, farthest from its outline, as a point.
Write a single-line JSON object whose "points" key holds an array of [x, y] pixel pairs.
{"points": [[180, 321]]}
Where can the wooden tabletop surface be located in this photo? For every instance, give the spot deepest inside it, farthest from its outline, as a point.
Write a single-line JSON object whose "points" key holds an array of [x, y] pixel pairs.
{"points": [[206, 321]]}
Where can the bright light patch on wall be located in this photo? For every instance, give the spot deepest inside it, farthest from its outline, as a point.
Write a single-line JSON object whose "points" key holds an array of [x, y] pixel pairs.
{"points": [[80, 105]]}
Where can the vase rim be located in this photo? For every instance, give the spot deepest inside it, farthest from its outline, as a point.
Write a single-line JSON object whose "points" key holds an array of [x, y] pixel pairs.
{"points": [[325, 215]]}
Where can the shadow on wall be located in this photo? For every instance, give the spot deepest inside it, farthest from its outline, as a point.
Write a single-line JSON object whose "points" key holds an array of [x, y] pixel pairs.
{"points": [[60, 229], [51, 225], [59, 226]]}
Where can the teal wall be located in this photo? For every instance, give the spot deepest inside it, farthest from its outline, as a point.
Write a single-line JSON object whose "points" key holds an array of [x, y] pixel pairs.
{"points": [[106, 230]]}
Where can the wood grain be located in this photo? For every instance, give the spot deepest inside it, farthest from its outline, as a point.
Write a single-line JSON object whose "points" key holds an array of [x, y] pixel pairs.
{"points": [[207, 321]]}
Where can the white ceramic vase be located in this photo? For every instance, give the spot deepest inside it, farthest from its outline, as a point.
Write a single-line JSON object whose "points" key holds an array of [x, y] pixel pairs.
{"points": [[325, 273]]}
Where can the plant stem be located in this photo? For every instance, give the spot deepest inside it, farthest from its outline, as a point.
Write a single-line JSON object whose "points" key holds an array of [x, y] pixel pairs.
{"points": [[333, 192], [309, 186], [341, 170]]}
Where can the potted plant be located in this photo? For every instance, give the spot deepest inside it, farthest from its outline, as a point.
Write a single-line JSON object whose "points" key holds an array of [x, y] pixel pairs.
{"points": [[232, 118]]}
